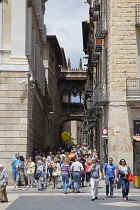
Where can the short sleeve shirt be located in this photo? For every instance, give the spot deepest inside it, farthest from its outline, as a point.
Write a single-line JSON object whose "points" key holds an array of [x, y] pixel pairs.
{"points": [[95, 172], [109, 170], [15, 163]]}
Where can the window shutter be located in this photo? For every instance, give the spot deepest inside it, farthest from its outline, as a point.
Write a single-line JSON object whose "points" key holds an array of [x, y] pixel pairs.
{"points": [[28, 31], [33, 50]]}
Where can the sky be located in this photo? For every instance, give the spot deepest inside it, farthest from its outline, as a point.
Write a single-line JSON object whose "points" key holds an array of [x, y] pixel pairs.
{"points": [[63, 18]]}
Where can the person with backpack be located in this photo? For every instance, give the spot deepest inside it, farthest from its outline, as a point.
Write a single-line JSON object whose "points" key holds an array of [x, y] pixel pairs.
{"points": [[109, 172], [3, 183]]}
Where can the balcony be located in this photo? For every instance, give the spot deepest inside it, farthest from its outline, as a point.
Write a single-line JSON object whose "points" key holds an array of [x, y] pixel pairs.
{"points": [[96, 5], [90, 46], [102, 26], [101, 94], [133, 89], [95, 16], [98, 45], [137, 21]]}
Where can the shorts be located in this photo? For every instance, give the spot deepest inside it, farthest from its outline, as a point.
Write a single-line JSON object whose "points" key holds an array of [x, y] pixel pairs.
{"points": [[14, 174]]}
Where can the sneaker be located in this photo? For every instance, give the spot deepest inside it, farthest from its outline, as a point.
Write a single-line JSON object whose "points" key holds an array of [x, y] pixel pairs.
{"points": [[96, 198], [124, 199], [92, 199], [106, 196], [24, 189], [111, 196]]}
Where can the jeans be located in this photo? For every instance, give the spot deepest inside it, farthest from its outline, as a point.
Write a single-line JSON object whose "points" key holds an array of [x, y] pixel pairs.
{"points": [[94, 187], [125, 187], [109, 180], [65, 182], [77, 180], [14, 174]]}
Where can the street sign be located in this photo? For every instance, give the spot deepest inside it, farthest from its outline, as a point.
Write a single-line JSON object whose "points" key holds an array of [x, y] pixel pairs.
{"points": [[104, 132]]}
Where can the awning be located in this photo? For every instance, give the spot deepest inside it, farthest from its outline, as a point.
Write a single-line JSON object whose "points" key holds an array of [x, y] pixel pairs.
{"points": [[137, 138]]}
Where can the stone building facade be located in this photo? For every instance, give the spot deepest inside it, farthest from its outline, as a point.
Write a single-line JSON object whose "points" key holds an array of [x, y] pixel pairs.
{"points": [[23, 112], [115, 36]]}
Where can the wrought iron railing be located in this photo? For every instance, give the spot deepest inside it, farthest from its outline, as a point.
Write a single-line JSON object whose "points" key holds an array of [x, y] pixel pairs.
{"points": [[102, 26], [137, 21], [101, 94], [96, 5], [133, 87]]}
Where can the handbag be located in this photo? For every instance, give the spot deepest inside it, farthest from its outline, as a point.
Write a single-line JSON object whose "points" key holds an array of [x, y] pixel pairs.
{"points": [[130, 177]]}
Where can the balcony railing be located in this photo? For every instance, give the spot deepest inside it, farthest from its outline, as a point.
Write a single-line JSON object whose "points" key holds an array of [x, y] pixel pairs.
{"points": [[137, 23], [133, 87], [98, 45], [101, 94], [96, 5], [102, 26]]}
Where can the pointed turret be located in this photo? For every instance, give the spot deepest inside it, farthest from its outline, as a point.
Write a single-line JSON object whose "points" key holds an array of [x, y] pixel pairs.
{"points": [[69, 64], [80, 64]]}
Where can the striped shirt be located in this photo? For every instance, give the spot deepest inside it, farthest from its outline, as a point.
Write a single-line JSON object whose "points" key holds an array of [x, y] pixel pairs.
{"points": [[65, 169]]}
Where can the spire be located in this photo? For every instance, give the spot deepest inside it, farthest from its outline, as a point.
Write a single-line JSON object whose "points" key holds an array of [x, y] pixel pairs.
{"points": [[80, 64], [69, 64]]}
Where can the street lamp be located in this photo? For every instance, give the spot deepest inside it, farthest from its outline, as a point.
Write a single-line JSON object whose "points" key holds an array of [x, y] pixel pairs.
{"points": [[89, 103]]}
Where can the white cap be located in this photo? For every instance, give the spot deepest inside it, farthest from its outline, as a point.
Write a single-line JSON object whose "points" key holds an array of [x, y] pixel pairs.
{"points": [[1, 166]]}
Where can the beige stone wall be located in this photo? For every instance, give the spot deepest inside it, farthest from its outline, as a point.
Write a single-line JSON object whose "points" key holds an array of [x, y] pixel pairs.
{"points": [[122, 63], [13, 116]]}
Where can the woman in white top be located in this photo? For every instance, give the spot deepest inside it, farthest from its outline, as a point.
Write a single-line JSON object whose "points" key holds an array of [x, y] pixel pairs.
{"points": [[124, 170]]}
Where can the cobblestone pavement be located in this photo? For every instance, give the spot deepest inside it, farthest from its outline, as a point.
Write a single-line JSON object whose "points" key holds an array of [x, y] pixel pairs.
{"points": [[57, 200]]}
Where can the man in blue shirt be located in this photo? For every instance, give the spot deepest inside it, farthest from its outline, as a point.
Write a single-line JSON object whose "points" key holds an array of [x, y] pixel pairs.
{"points": [[109, 172], [14, 162]]}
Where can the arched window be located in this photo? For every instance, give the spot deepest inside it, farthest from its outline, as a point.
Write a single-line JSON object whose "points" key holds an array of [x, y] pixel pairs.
{"points": [[75, 96], [65, 96]]}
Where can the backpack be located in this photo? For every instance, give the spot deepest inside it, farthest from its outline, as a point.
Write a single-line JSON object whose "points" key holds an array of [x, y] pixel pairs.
{"points": [[37, 175]]}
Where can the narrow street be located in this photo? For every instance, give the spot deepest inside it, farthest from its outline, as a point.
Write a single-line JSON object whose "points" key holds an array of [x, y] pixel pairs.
{"points": [[56, 199]]}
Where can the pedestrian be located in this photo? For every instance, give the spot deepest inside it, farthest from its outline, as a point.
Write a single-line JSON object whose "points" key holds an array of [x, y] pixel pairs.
{"points": [[65, 171], [109, 172], [3, 184], [45, 168], [30, 166], [56, 172], [88, 163], [116, 181], [123, 171], [95, 174], [14, 162], [21, 175], [39, 174], [76, 170]]}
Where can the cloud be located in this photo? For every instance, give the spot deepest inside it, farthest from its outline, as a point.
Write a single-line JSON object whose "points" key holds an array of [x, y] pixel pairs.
{"points": [[63, 18]]}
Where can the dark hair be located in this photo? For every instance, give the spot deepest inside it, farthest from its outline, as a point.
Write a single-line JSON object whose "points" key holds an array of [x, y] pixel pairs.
{"points": [[72, 159], [21, 158], [121, 161]]}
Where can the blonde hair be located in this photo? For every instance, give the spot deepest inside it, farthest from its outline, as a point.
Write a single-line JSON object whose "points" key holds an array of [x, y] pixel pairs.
{"points": [[66, 161]]}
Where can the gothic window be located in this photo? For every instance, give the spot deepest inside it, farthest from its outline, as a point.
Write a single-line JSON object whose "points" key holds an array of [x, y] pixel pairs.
{"points": [[75, 96], [65, 96]]}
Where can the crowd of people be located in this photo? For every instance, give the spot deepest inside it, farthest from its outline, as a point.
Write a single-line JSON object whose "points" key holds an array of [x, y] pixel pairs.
{"points": [[70, 166]]}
